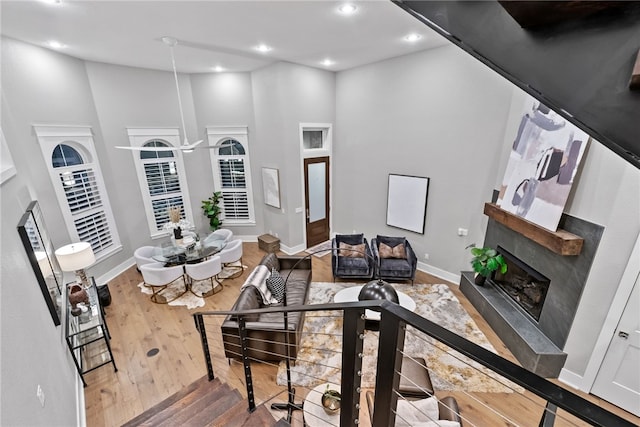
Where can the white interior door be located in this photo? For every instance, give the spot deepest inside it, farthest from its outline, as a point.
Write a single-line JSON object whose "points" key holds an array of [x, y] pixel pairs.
{"points": [[618, 380]]}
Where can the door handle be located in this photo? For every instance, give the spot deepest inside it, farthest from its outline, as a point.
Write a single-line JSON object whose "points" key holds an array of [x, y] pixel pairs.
{"points": [[623, 335], [307, 214]]}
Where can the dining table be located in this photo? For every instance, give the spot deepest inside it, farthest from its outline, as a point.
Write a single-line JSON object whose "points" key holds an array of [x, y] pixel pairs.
{"points": [[188, 250]]}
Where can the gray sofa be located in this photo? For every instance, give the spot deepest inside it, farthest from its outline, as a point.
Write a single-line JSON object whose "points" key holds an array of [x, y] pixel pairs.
{"points": [[265, 331]]}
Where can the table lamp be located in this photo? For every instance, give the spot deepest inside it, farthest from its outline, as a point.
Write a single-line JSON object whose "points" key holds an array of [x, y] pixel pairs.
{"points": [[76, 257]]}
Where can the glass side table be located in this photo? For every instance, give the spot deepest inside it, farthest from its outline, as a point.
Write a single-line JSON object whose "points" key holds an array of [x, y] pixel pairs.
{"points": [[88, 336]]}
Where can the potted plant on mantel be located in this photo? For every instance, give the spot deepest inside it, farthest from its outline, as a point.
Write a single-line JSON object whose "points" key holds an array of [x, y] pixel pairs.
{"points": [[484, 262], [211, 210]]}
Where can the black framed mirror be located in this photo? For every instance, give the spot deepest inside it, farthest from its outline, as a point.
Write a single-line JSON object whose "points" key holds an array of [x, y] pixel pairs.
{"points": [[40, 251]]}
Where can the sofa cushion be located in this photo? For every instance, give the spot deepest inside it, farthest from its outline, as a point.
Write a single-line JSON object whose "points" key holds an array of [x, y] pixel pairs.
{"points": [[275, 283], [258, 280], [387, 251], [351, 251], [352, 266], [394, 267], [271, 261]]}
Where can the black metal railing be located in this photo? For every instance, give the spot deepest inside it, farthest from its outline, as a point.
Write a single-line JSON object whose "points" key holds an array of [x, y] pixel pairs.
{"points": [[396, 325]]}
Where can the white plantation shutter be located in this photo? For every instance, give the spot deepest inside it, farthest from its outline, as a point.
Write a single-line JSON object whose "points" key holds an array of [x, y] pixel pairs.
{"points": [[161, 176], [70, 155], [232, 174]]}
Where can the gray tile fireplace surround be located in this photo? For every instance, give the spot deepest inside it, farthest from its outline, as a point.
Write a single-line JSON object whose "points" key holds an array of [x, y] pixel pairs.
{"points": [[537, 345]]}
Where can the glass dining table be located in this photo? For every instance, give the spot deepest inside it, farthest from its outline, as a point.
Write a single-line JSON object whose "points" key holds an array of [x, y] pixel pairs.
{"points": [[186, 251]]}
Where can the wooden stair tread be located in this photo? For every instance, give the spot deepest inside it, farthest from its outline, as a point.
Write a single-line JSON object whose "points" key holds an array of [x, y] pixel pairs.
{"points": [[239, 416], [204, 412], [210, 397]]}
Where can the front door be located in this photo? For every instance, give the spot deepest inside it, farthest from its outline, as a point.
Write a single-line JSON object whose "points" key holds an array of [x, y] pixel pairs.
{"points": [[316, 199], [618, 380]]}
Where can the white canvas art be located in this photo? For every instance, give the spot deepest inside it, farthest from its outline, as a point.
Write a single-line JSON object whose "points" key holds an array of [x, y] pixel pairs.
{"points": [[542, 166], [271, 187]]}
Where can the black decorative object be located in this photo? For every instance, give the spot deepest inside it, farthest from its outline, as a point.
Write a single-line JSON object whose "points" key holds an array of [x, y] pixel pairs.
{"points": [[104, 295], [378, 290], [177, 233], [479, 279]]}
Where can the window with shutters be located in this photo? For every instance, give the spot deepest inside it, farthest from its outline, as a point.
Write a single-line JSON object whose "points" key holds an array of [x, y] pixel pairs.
{"points": [[232, 173], [79, 186], [161, 176]]}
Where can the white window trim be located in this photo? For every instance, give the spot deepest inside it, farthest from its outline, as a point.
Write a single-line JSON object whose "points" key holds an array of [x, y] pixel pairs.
{"points": [[49, 137], [217, 134], [137, 138], [327, 130]]}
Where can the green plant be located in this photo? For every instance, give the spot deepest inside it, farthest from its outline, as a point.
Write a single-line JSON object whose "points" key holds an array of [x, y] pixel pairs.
{"points": [[211, 210], [487, 260]]}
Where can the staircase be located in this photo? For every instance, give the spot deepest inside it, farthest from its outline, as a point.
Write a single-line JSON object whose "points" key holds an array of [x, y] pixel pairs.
{"points": [[204, 403]]}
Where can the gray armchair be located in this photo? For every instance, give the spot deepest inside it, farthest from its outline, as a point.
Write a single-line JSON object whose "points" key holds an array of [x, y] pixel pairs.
{"points": [[398, 264], [351, 265]]}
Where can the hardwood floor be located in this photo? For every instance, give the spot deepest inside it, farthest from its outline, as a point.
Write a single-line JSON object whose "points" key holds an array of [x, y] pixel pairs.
{"points": [[137, 326]]}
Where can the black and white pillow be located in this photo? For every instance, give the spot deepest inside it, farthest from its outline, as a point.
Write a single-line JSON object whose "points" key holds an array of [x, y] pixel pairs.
{"points": [[275, 283]]}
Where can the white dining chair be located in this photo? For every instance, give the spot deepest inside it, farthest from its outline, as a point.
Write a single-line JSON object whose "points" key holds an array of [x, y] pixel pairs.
{"points": [[202, 271], [231, 257], [159, 278], [143, 256], [220, 234]]}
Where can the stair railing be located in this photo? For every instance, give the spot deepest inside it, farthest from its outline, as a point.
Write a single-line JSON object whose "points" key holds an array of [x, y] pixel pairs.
{"points": [[396, 324]]}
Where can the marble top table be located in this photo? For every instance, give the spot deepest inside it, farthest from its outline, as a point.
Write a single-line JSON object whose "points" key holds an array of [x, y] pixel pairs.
{"points": [[351, 295]]}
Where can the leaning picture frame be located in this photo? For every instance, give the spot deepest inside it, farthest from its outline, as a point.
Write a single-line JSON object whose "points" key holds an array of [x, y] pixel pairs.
{"points": [[271, 187], [407, 202]]}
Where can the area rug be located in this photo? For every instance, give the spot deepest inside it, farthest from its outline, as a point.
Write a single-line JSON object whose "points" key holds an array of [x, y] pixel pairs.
{"points": [[319, 355], [188, 299], [324, 247]]}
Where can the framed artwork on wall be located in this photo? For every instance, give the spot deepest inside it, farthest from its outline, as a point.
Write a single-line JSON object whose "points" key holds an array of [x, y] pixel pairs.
{"points": [[407, 202], [271, 187]]}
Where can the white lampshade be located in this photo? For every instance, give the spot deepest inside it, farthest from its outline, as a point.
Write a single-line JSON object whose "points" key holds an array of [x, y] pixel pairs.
{"points": [[75, 256]]}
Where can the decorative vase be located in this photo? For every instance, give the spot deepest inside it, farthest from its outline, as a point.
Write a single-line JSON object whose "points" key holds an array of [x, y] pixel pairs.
{"points": [[331, 401], [378, 289], [77, 294], [479, 279], [177, 233]]}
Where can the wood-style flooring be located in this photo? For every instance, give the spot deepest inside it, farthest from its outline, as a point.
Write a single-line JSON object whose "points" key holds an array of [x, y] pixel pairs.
{"points": [[138, 326]]}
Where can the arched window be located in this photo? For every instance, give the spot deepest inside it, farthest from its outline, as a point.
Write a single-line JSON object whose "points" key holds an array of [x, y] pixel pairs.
{"points": [[161, 176], [231, 174], [79, 186]]}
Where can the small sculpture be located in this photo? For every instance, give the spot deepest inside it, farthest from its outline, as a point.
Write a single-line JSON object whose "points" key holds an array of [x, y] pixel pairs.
{"points": [[331, 400], [77, 294], [378, 289]]}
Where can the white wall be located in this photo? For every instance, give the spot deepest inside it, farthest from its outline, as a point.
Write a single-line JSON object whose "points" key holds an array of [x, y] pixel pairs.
{"points": [[437, 114], [42, 87], [286, 95]]}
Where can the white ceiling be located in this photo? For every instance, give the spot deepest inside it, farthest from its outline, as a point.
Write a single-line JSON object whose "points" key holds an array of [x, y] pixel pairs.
{"points": [[218, 33]]}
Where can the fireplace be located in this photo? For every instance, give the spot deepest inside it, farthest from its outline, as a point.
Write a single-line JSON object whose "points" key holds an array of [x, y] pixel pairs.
{"points": [[522, 283]]}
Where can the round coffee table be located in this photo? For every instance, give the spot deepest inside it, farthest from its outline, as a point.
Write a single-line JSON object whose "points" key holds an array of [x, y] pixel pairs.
{"points": [[314, 413], [351, 295]]}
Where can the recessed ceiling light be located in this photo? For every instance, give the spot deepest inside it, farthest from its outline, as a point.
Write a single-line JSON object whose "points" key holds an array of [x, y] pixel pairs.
{"points": [[263, 48], [412, 38], [218, 69], [348, 9], [327, 62], [51, 1], [56, 44]]}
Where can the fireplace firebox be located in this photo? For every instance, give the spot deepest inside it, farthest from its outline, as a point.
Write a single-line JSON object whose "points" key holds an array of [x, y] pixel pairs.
{"points": [[522, 283]]}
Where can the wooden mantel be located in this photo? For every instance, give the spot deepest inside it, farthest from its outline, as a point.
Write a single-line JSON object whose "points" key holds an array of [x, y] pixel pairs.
{"points": [[561, 242]]}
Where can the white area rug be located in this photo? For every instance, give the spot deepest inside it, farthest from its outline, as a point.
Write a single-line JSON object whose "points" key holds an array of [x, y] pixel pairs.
{"points": [[324, 246], [189, 300], [319, 357]]}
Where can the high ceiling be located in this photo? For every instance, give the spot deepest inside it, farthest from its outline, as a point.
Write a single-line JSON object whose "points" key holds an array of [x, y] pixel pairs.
{"points": [[218, 33]]}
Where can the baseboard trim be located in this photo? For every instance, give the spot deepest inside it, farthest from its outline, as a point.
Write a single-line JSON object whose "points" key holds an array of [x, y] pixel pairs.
{"points": [[442, 274], [571, 379], [292, 250], [81, 413]]}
